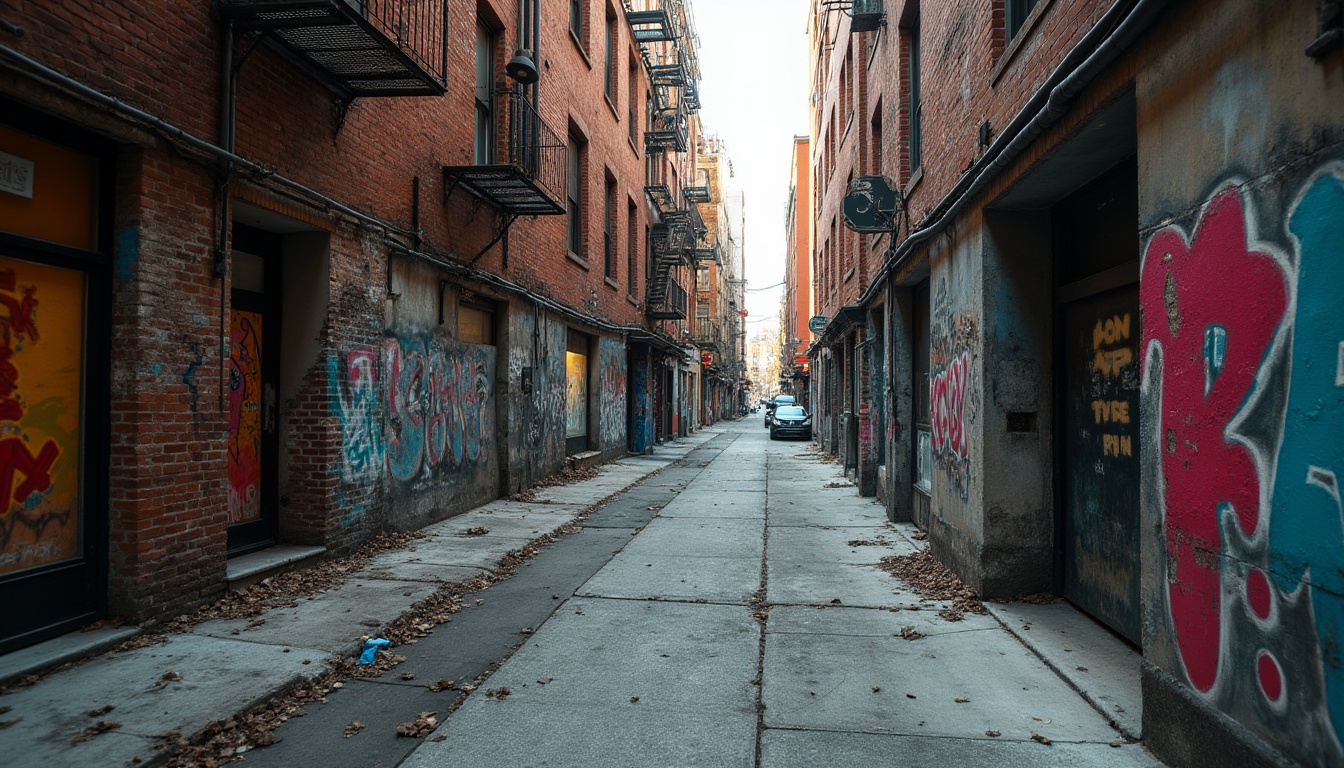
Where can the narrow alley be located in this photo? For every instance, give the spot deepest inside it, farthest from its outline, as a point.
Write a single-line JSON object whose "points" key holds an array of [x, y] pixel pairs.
{"points": [[644, 641]]}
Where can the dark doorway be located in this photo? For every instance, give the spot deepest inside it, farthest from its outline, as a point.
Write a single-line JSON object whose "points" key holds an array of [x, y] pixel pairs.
{"points": [[1096, 245]]}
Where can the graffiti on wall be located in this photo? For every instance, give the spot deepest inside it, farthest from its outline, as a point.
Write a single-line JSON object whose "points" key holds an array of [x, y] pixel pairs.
{"points": [[1242, 377], [432, 410], [244, 471], [950, 406], [613, 395], [353, 383], [1113, 383], [440, 411], [41, 375], [642, 416], [947, 405]]}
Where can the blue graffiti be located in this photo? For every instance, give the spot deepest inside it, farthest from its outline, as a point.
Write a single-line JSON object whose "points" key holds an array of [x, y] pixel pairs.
{"points": [[1307, 535], [127, 254]]}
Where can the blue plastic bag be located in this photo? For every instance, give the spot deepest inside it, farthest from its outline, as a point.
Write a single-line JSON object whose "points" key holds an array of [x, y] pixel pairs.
{"points": [[371, 647]]}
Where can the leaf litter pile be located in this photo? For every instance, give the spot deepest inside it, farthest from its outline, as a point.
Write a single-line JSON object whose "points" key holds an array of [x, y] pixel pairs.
{"points": [[932, 580], [228, 740]]}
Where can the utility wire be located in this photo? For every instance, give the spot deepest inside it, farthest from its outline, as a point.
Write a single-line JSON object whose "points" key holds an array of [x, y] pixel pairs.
{"points": [[765, 288]]}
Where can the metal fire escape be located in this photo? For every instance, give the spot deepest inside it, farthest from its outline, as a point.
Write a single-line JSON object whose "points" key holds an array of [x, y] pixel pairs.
{"points": [[356, 47], [531, 179], [663, 31]]}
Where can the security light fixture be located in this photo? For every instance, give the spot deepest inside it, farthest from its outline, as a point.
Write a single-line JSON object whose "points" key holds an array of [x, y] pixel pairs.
{"points": [[521, 67]]}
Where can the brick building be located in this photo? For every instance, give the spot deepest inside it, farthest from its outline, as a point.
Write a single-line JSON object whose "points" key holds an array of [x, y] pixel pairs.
{"points": [[279, 276], [1083, 327], [797, 309], [718, 330]]}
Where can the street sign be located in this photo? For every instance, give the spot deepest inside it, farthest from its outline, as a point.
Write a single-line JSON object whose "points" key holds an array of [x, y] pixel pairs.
{"points": [[817, 324]]}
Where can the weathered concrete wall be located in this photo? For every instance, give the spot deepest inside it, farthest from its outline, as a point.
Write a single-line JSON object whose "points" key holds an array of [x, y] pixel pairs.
{"points": [[1241, 158], [956, 400], [536, 397], [1018, 463], [613, 397]]}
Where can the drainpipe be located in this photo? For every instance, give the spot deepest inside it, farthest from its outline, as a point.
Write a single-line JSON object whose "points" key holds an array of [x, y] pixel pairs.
{"points": [[1119, 28]]}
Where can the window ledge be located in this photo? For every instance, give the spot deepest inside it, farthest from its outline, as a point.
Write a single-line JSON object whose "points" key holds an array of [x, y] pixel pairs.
{"points": [[910, 185], [1019, 40], [577, 259], [633, 301], [612, 282], [612, 106], [848, 274]]}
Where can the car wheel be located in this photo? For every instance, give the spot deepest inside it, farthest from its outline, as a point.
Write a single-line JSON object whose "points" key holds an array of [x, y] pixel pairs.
{"points": [[772, 435]]}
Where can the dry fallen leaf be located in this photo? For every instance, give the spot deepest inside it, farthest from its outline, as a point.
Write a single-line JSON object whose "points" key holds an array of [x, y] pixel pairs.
{"points": [[353, 728], [1039, 738], [477, 531], [420, 726], [442, 685], [102, 726], [99, 712], [876, 688], [544, 680], [992, 734], [7, 723], [634, 699], [910, 633], [408, 676], [1114, 744], [499, 694], [962, 700]]}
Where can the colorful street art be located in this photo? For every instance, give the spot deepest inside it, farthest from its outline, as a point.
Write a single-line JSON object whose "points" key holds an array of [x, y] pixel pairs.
{"points": [[431, 412], [244, 470], [576, 394], [1242, 378], [353, 383], [947, 403], [613, 400], [41, 375], [642, 417], [440, 409]]}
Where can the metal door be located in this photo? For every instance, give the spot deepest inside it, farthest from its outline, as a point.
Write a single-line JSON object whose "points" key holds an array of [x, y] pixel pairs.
{"points": [[1099, 457]]}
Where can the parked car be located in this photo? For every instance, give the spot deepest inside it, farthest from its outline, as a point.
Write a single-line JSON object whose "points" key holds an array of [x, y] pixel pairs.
{"points": [[790, 421], [778, 400]]}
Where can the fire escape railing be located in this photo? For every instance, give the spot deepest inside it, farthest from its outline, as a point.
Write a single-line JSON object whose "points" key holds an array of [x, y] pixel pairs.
{"points": [[531, 179], [359, 47]]}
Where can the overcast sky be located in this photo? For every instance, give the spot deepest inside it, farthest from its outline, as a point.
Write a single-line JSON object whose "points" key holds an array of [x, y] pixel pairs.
{"points": [[753, 91]]}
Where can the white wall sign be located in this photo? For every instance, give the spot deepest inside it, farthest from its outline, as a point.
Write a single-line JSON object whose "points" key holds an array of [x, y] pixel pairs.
{"points": [[16, 175]]}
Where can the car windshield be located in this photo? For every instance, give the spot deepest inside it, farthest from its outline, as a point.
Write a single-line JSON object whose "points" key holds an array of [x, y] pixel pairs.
{"points": [[784, 400], [791, 412]]}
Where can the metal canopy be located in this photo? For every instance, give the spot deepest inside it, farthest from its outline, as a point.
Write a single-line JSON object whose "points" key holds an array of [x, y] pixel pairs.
{"points": [[350, 46]]}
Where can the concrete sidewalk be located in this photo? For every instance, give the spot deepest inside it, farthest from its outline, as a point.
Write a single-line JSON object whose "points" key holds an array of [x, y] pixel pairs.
{"points": [[748, 625], [227, 667]]}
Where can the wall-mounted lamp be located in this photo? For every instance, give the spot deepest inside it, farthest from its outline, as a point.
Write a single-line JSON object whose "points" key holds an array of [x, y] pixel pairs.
{"points": [[521, 67]]}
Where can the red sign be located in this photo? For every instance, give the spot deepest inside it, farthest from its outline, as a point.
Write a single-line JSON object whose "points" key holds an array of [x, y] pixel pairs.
{"points": [[800, 360], [706, 358]]}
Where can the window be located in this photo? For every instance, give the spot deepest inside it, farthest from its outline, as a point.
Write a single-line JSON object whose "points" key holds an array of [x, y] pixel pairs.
{"points": [[916, 104], [875, 142], [1016, 12], [631, 245], [475, 324], [612, 78], [609, 230], [632, 124], [485, 96], [576, 19], [575, 195]]}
